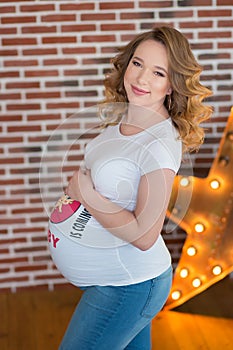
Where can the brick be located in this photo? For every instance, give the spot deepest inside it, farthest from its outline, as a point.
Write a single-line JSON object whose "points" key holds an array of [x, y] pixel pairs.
{"points": [[26, 210], [12, 221], [214, 13], [116, 5], [23, 106], [96, 61], [225, 66], [30, 268], [136, 15], [214, 34], [211, 56], [43, 95], [81, 93], [39, 52], [198, 24], [7, 9], [225, 23], [62, 83], [155, 4], [195, 2], [202, 46], [78, 72], [37, 8], [5, 31], [28, 230], [93, 82], [116, 27], [39, 29], [149, 25], [19, 41], [77, 7], [224, 2], [14, 279], [58, 18], [59, 61], [23, 85], [175, 14], [40, 117], [24, 128], [58, 105], [10, 139], [59, 40], [20, 63], [9, 74], [41, 73], [10, 96], [13, 240], [78, 28], [78, 50], [103, 16], [98, 38], [18, 19], [8, 52]]}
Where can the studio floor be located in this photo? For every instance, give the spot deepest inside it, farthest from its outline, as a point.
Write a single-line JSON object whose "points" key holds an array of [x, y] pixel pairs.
{"points": [[36, 320]]}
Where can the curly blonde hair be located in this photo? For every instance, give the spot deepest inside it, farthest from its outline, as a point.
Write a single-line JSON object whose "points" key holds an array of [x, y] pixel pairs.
{"points": [[186, 106]]}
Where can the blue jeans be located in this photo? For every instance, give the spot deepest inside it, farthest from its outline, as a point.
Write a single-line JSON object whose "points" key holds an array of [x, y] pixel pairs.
{"points": [[117, 318]]}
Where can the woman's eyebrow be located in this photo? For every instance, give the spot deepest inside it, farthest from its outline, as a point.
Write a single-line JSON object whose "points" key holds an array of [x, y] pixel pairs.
{"points": [[157, 67], [161, 68]]}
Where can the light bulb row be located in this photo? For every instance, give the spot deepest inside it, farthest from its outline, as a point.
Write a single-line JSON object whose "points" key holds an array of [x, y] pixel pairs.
{"points": [[196, 282], [214, 184]]}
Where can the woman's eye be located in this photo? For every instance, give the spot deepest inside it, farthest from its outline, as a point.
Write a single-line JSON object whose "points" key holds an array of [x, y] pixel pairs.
{"points": [[159, 74], [136, 63]]}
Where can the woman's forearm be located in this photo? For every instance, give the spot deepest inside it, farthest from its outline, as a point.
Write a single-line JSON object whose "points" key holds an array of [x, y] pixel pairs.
{"points": [[121, 222]]}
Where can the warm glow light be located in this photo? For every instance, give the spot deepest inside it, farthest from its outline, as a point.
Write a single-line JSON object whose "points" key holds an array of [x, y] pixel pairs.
{"points": [[230, 135], [223, 160], [184, 272], [184, 182], [199, 227], [176, 295], [214, 184], [207, 253], [191, 251], [217, 270], [196, 282]]}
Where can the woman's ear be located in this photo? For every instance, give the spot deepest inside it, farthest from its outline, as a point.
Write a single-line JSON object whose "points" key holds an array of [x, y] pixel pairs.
{"points": [[169, 91]]}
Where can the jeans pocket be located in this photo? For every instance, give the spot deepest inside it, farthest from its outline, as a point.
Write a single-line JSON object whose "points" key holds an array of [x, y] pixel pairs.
{"points": [[158, 294]]}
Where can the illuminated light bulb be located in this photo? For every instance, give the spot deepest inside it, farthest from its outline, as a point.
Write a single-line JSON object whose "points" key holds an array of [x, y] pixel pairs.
{"points": [[176, 295], [199, 227], [184, 182], [217, 270], [214, 184], [191, 251], [196, 282], [184, 272]]}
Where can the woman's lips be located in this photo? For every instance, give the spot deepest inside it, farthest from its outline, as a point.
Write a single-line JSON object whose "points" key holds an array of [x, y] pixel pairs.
{"points": [[138, 91]]}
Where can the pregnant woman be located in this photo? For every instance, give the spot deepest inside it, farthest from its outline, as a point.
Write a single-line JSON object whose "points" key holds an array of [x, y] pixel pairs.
{"points": [[153, 108]]}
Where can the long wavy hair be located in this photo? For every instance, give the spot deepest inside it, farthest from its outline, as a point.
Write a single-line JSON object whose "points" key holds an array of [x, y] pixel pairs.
{"points": [[185, 104]]}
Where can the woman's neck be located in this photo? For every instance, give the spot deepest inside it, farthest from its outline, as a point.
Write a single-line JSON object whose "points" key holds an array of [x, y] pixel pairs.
{"points": [[141, 117]]}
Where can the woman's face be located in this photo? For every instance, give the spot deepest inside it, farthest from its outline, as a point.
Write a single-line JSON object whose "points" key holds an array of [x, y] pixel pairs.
{"points": [[146, 78]]}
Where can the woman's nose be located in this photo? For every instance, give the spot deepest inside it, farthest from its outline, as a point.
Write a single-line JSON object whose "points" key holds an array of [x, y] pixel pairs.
{"points": [[143, 76]]}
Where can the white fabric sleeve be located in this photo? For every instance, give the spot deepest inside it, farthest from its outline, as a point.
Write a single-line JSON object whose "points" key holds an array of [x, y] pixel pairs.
{"points": [[161, 154]]}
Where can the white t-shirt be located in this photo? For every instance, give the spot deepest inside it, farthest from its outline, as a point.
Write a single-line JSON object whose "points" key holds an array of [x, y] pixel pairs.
{"points": [[117, 163]]}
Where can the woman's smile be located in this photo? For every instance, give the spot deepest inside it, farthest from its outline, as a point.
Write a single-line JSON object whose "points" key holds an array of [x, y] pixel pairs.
{"points": [[138, 91]]}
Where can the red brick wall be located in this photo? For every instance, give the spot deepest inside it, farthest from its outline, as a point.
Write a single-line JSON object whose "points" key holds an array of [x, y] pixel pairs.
{"points": [[53, 58]]}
